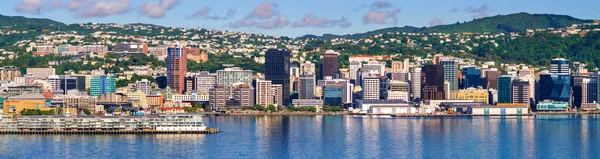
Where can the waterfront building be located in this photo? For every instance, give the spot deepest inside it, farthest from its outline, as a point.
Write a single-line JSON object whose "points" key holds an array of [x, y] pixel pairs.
{"points": [[138, 99], [552, 106], [230, 76], [155, 100], [243, 96], [82, 102], [306, 86], [451, 73], [307, 102], [584, 90], [264, 93], [9, 73], [218, 97], [32, 101], [176, 68], [277, 90], [143, 85], [41, 73], [500, 110], [204, 82], [102, 85], [371, 86], [333, 95], [505, 89], [348, 88], [471, 77], [277, 70], [560, 66], [330, 64], [398, 95], [386, 107]]}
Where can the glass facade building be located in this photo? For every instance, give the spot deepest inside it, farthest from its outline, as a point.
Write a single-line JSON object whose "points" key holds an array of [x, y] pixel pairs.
{"points": [[471, 77], [554, 87]]}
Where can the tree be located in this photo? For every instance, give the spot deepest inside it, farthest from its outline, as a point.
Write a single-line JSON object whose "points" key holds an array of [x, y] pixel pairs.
{"points": [[272, 108], [258, 107]]}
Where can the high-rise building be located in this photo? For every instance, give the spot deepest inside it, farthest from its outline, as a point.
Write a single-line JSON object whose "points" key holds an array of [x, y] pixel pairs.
{"points": [[491, 79], [277, 90], [583, 89], [397, 66], [264, 93], [399, 86], [355, 66], [144, 86], [471, 77], [54, 81], [401, 75], [306, 89], [307, 68], [8, 73], [371, 85], [451, 73], [433, 79], [406, 64], [374, 66], [520, 91], [230, 76], [204, 82], [333, 95], [554, 87], [189, 84], [505, 89], [348, 88], [277, 70], [330, 64], [243, 96], [102, 84], [68, 83], [415, 82], [218, 97], [176, 68], [560, 65]]}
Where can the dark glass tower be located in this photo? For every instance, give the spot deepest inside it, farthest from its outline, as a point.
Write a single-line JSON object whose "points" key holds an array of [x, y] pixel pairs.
{"points": [[330, 64], [471, 77], [277, 69]]}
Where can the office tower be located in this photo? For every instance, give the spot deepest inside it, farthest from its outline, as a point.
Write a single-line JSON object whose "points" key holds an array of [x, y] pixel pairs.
{"points": [[355, 66], [333, 95], [307, 68], [277, 90], [554, 87], [204, 82], [520, 91], [264, 93], [295, 72], [67, 83], [277, 70], [374, 66], [583, 89], [82, 82], [41, 73], [451, 73], [397, 66], [399, 86], [218, 97], [384, 87], [401, 76], [560, 65], [433, 80], [471, 77], [8, 73], [415, 82], [406, 64], [102, 84], [491, 79], [505, 89], [144, 86], [348, 88], [371, 85], [230, 76], [176, 68], [189, 84], [330, 64], [243, 96], [306, 89], [54, 81]]}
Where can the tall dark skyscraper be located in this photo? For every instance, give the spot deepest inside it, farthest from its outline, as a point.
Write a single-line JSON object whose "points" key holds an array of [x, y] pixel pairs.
{"points": [[176, 68], [471, 77], [330, 64], [433, 82], [277, 70]]}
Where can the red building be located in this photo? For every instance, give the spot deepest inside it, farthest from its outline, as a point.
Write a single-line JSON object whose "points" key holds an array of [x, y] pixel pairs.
{"points": [[176, 67]]}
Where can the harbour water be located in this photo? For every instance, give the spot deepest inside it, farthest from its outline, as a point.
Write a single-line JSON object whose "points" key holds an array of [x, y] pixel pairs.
{"points": [[552, 136]]}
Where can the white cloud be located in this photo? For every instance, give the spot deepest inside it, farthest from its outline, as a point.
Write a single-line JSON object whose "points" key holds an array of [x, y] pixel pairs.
{"points": [[157, 9], [105, 8], [311, 20]]}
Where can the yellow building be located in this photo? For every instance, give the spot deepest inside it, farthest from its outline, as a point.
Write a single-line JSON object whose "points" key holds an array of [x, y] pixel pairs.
{"points": [[15, 104], [477, 95], [138, 99]]}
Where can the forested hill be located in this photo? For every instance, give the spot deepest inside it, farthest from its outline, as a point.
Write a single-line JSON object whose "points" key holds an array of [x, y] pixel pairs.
{"points": [[518, 22]]}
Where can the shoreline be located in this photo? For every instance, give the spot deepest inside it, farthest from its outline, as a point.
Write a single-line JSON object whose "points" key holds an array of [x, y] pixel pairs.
{"points": [[392, 115]]}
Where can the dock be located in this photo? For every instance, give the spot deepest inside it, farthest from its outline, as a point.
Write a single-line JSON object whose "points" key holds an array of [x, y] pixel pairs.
{"points": [[455, 115], [105, 132]]}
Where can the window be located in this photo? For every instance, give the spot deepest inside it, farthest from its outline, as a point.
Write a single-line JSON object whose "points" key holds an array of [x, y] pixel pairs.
{"points": [[12, 109]]}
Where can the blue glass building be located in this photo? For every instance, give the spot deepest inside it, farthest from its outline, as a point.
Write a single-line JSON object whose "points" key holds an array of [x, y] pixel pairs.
{"points": [[554, 87], [333, 95], [471, 77], [505, 89]]}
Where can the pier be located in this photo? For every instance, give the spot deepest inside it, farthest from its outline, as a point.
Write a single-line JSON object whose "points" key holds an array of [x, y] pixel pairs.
{"points": [[106, 132], [455, 115]]}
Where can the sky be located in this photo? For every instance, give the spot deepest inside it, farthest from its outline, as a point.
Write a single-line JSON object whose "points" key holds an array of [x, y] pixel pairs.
{"points": [[291, 18]]}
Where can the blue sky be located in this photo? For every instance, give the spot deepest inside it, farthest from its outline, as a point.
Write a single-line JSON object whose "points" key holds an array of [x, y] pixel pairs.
{"points": [[289, 17]]}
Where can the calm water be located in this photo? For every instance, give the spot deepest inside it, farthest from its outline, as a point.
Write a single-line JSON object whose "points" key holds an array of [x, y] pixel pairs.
{"points": [[335, 137]]}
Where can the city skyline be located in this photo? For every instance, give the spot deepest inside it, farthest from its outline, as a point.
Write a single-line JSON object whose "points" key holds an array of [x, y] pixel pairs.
{"points": [[285, 18]]}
